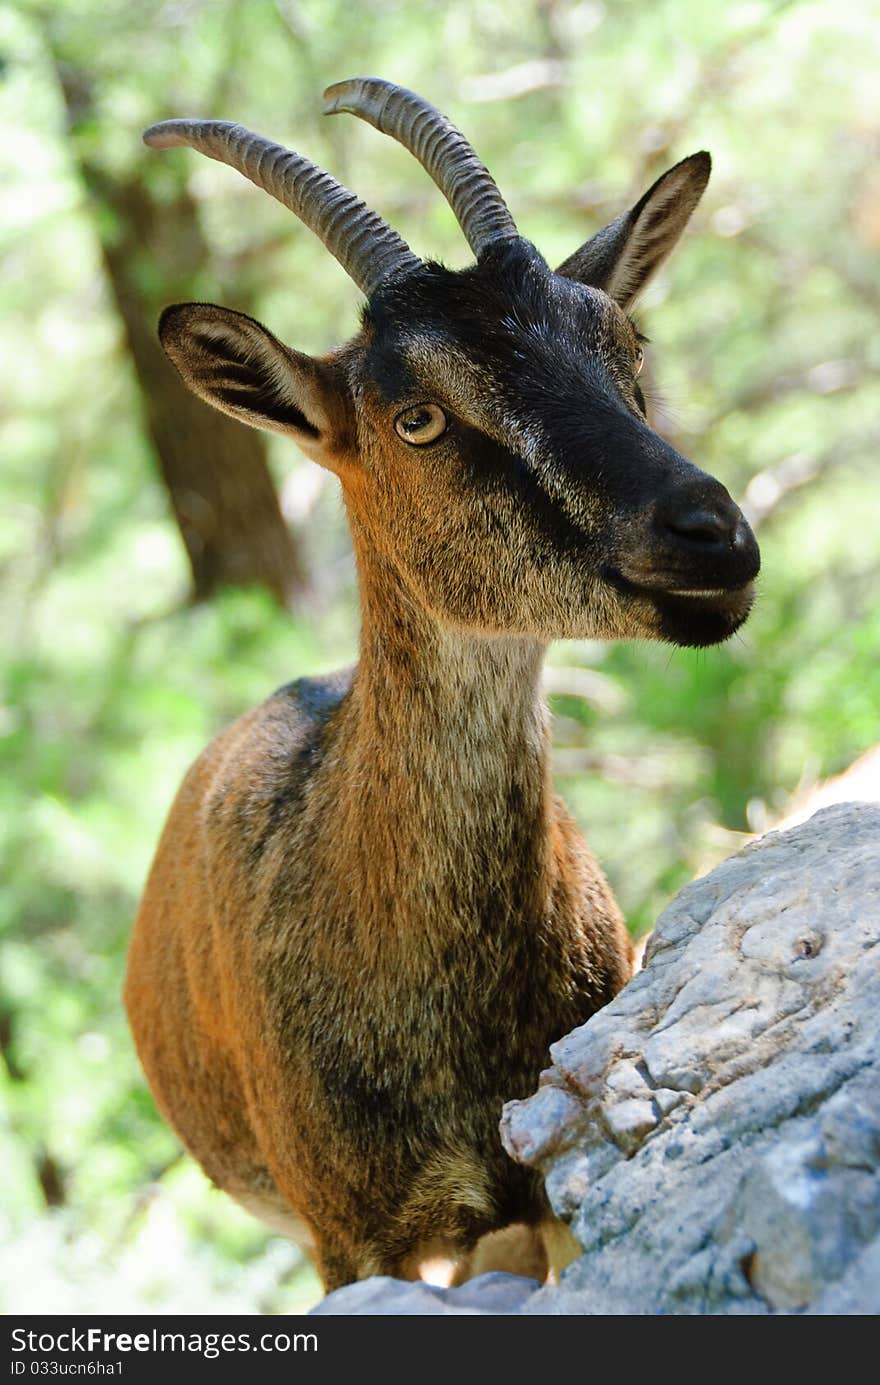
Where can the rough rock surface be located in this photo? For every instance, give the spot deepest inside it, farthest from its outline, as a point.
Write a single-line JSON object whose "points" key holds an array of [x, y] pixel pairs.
{"points": [[713, 1135]]}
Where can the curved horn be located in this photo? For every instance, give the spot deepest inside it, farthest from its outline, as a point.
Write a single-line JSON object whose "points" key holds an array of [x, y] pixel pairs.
{"points": [[440, 148], [366, 247]]}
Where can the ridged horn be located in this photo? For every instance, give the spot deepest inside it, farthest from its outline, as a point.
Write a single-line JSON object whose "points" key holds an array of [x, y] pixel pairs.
{"points": [[440, 148], [366, 247]]}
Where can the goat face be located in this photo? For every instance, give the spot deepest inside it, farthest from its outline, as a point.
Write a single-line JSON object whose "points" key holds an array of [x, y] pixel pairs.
{"points": [[505, 464]]}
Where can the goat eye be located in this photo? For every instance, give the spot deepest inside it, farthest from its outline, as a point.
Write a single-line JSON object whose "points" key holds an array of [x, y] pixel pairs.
{"points": [[420, 425], [640, 360]]}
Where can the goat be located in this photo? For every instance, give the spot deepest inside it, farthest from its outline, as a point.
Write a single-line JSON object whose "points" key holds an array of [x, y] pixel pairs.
{"points": [[369, 915]]}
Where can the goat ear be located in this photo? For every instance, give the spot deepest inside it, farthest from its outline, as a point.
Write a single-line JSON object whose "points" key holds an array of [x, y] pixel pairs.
{"points": [[623, 256], [235, 364]]}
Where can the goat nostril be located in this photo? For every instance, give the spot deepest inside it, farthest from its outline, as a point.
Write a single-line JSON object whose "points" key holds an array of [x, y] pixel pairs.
{"points": [[705, 526], [741, 536]]}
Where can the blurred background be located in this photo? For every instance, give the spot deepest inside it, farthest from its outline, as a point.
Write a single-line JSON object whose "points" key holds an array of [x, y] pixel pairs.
{"points": [[164, 569]]}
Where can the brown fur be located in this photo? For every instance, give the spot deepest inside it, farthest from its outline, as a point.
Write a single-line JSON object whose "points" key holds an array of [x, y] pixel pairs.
{"points": [[369, 915], [361, 934]]}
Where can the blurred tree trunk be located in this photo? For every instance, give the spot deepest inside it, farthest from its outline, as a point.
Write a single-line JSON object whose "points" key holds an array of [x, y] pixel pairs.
{"points": [[214, 469]]}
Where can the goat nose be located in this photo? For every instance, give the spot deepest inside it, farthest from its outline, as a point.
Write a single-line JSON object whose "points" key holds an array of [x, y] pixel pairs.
{"points": [[708, 523]]}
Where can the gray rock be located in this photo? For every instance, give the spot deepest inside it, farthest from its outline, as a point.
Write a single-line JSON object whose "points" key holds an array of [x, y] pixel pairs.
{"points": [[713, 1135], [493, 1293]]}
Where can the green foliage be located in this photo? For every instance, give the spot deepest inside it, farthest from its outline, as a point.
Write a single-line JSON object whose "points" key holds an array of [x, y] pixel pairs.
{"points": [[765, 353]]}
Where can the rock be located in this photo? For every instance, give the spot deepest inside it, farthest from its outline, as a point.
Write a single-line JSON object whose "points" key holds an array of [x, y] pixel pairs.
{"points": [[713, 1135], [493, 1293]]}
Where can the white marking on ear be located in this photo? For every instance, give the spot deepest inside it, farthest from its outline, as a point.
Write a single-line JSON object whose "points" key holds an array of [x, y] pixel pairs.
{"points": [[217, 330], [666, 210]]}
